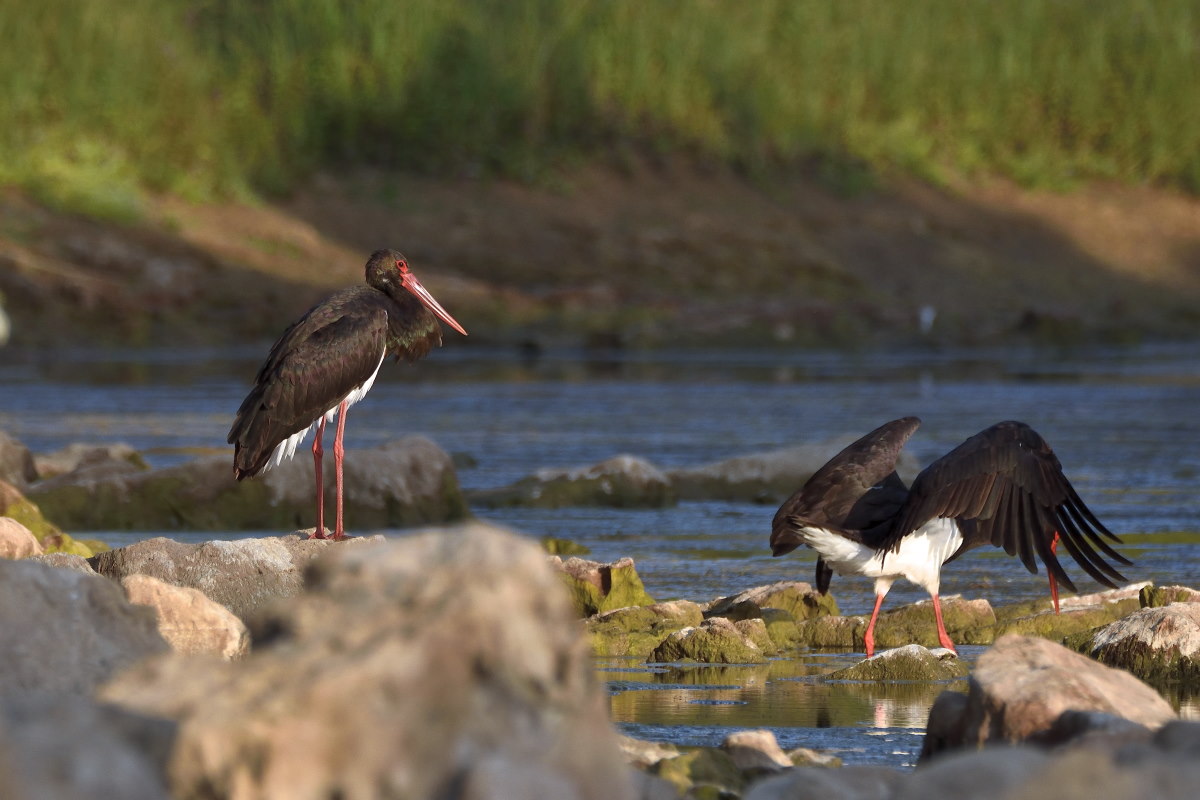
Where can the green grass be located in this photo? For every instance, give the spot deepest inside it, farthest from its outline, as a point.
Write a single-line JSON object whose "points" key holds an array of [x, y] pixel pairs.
{"points": [[216, 97]]}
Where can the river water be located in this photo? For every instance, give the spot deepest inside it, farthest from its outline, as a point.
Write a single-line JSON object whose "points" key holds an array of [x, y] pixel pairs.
{"points": [[1125, 422]]}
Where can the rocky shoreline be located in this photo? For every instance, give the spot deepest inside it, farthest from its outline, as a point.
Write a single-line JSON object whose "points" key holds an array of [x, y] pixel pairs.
{"points": [[458, 662]]}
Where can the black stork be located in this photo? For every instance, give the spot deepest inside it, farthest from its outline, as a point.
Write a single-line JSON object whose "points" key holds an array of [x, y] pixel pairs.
{"points": [[1003, 486], [326, 361]]}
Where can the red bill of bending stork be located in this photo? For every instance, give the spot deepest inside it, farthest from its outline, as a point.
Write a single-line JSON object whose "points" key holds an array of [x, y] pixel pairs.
{"points": [[1002, 487], [325, 362]]}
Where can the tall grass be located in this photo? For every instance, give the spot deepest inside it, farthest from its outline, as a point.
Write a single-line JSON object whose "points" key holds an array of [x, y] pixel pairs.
{"points": [[208, 97]]}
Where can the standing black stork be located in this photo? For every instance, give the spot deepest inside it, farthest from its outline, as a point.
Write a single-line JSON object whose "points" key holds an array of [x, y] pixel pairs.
{"points": [[1003, 486], [326, 361]]}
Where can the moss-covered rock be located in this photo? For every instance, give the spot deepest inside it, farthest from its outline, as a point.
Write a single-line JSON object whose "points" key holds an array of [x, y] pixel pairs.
{"points": [[911, 662], [704, 766], [1158, 644], [967, 622], [595, 588], [17, 506], [798, 598], [781, 627], [756, 631], [1152, 596], [1057, 627], [715, 641], [637, 630], [563, 547], [806, 757], [1038, 605], [619, 482]]}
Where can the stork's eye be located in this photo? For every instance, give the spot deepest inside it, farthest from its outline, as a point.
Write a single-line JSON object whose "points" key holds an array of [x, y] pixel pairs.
{"points": [[402, 266]]}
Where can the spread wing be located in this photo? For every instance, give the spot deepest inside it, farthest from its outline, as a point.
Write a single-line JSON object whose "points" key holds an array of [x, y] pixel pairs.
{"points": [[1006, 488], [854, 491]]}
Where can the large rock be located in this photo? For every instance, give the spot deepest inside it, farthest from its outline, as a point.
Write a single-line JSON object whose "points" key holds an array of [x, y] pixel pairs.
{"points": [[1157, 644], [16, 541], [242, 575], [1022, 685], [622, 481], [402, 483], [762, 477], [1152, 596], [637, 630], [967, 622], [66, 747], [912, 662], [445, 664], [716, 641], [866, 782], [595, 587], [16, 462], [188, 620], [66, 632], [1078, 613]]}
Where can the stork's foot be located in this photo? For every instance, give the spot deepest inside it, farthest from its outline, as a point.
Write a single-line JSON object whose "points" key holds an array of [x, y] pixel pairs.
{"points": [[319, 533]]}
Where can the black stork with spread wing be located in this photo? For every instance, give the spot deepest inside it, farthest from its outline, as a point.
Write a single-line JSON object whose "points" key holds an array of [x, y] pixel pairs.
{"points": [[1003, 487], [327, 361]]}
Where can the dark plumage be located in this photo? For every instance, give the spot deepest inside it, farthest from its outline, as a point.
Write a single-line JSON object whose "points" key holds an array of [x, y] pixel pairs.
{"points": [[1003, 486], [327, 360]]}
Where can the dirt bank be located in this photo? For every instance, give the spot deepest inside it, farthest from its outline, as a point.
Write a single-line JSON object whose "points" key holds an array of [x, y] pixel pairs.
{"points": [[641, 256]]}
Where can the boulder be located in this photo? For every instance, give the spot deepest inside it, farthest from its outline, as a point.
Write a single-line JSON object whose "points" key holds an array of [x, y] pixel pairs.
{"points": [[1157, 644], [77, 457], [1152, 596], [1021, 685], [797, 598], [443, 664], [1078, 613], [595, 587], [967, 622], [912, 662], [16, 541], [768, 477], [66, 632], [623, 481], [67, 747], [16, 462], [402, 483], [637, 630], [187, 619], [714, 641], [242, 575]]}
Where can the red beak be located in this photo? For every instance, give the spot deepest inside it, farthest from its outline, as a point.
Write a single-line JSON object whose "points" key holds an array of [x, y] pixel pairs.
{"points": [[413, 285]]}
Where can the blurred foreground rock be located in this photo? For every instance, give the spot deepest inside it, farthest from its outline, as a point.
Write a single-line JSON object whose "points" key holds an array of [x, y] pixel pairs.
{"points": [[16, 541], [65, 632], [16, 462], [16, 506], [407, 482], [446, 664], [187, 619]]}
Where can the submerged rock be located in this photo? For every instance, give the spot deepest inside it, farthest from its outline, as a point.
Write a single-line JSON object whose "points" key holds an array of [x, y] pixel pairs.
{"points": [[714, 641], [1157, 644], [623, 481], [406, 482], [1022, 685], [443, 664], [637, 630], [595, 588], [912, 662], [66, 632]]}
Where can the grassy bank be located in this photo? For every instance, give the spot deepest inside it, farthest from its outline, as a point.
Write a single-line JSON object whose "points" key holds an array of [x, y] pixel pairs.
{"points": [[207, 97]]}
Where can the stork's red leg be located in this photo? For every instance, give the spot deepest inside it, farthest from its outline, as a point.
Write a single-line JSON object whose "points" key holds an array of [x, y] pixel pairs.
{"points": [[318, 451], [869, 636], [339, 453], [1054, 583], [943, 637]]}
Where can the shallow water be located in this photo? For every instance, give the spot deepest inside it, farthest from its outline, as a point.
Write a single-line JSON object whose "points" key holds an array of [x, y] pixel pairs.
{"points": [[1124, 422]]}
